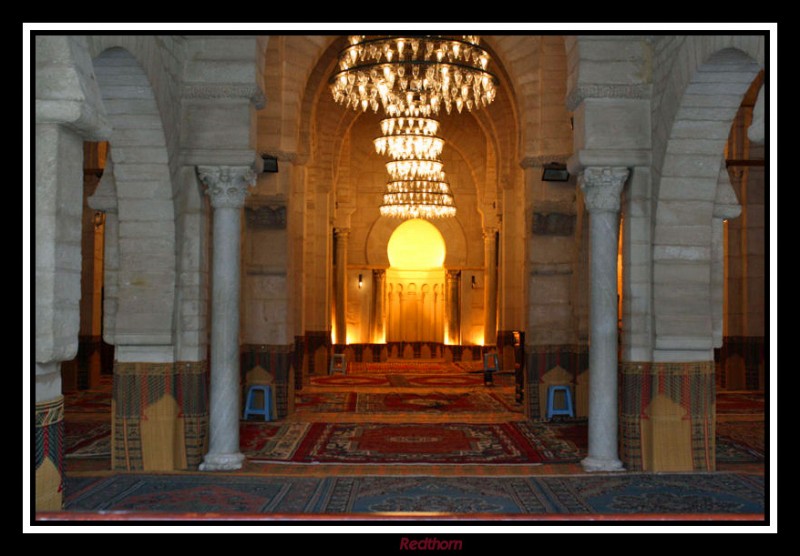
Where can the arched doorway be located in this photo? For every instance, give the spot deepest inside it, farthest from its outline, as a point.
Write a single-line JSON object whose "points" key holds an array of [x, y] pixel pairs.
{"points": [[415, 283]]}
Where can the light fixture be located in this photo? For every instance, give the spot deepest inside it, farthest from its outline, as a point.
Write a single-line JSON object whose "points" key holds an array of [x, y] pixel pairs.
{"points": [[555, 172], [360, 281], [473, 282], [413, 75], [269, 164]]}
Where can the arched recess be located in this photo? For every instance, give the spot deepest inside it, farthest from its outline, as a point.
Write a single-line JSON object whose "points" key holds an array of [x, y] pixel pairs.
{"points": [[685, 187]]}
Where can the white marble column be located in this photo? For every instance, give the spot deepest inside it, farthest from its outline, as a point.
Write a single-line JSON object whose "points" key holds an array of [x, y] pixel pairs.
{"points": [[452, 299], [340, 236], [227, 187], [490, 286], [378, 295], [601, 189]]}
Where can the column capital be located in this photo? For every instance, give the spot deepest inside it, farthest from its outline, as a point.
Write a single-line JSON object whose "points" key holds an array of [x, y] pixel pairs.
{"points": [[226, 185], [602, 187], [379, 273], [489, 233], [341, 233], [453, 274]]}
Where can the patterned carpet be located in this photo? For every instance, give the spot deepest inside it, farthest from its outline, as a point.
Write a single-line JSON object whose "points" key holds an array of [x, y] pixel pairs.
{"points": [[87, 438], [408, 380], [745, 403], [617, 494], [740, 441], [389, 443]]}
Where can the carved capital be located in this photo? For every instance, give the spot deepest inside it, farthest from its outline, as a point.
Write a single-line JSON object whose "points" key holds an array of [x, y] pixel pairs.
{"points": [[602, 186], [341, 233], [378, 273], [489, 234], [226, 185]]}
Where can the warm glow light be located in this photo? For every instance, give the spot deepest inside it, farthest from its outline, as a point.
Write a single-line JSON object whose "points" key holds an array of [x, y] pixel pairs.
{"points": [[416, 245], [413, 76]]}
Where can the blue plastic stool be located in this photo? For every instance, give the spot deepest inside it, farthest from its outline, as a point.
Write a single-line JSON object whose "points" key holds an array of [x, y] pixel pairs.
{"points": [[490, 366], [249, 407], [338, 364], [551, 394]]}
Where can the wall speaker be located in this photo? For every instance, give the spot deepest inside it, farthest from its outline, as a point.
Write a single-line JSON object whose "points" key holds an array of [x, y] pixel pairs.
{"points": [[270, 164]]}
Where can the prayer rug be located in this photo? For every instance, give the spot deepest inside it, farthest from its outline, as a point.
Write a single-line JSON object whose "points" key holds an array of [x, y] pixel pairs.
{"points": [[430, 402], [740, 442], [349, 381], [404, 367], [87, 438], [382, 443], [88, 401], [624, 494], [271, 441], [311, 402], [740, 403]]}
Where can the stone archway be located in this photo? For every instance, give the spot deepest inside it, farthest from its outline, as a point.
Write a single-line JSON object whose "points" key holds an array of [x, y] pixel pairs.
{"points": [[689, 141], [141, 275]]}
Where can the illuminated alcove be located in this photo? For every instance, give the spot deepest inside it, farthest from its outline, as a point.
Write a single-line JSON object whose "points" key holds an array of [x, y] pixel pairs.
{"points": [[415, 283]]}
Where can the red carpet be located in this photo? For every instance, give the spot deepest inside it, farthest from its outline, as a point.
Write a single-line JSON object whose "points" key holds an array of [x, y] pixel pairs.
{"points": [[740, 403], [430, 402], [451, 443]]}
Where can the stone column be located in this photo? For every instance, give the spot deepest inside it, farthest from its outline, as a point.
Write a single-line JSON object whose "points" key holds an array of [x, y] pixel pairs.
{"points": [[340, 282], [490, 287], [227, 187], [601, 188], [378, 293], [452, 299]]}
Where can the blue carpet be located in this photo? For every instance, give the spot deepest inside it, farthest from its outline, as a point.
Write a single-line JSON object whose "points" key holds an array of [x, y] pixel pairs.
{"points": [[624, 493]]}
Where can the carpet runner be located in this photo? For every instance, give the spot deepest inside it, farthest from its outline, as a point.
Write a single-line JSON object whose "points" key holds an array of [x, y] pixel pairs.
{"points": [[606, 494]]}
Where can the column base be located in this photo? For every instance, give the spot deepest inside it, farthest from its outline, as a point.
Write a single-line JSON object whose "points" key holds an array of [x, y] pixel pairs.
{"points": [[593, 464], [222, 462]]}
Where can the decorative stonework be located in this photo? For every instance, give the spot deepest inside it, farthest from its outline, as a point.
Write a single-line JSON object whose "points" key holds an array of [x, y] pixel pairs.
{"points": [[582, 92], [227, 185], [266, 217], [602, 187]]}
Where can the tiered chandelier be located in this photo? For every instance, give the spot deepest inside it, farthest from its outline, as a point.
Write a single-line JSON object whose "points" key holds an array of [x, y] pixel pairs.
{"points": [[412, 78]]}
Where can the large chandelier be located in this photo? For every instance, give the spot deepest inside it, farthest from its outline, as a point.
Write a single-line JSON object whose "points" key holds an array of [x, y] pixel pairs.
{"points": [[412, 78]]}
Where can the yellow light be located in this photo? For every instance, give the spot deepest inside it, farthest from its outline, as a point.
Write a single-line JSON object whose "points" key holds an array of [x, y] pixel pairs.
{"points": [[416, 245]]}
